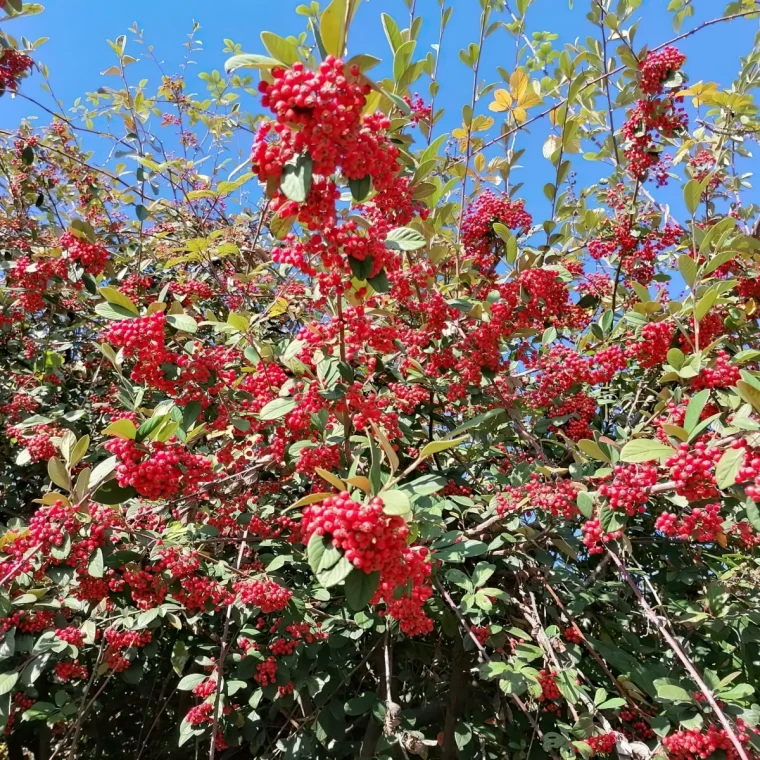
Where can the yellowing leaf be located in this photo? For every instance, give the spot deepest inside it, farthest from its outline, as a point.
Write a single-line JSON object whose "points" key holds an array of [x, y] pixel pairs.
{"points": [[333, 480], [520, 114], [434, 447], [123, 428], [518, 84], [280, 306], [311, 498], [502, 102], [529, 99]]}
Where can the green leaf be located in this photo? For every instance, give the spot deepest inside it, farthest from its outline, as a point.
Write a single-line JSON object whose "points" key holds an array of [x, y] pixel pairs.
{"points": [[249, 61], [404, 239], [672, 692], [296, 178], [705, 304], [315, 551], [183, 322], [592, 449], [753, 513], [476, 421], [435, 447], [396, 502], [277, 408], [332, 27], [96, 566], [585, 503], [380, 282], [363, 61], [645, 451], [112, 493], [141, 212], [360, 588], [692, 194], [122, 428], [58, 473], [728, 467], [112, 311], [360, 187], [688, 269], [337, 573], [749, 393], [461, 551], [191, 680], [280, 48], [8, 681], [149, 426], [695, 408], [116, 298], [361, 268]]}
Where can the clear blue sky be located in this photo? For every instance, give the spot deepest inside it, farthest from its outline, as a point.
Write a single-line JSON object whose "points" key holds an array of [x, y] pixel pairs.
{"points": [[77, 51]]}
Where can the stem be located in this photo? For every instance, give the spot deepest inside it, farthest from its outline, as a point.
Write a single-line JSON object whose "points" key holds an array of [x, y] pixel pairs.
{"points": [[687, 663]]}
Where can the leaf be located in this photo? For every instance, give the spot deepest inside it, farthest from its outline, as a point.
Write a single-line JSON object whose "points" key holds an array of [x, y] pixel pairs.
{"points": [[753, 514], [396, 502], [332, 27], [749, 393], [672, 692], [141, 212], [296, 178], [460, 551], [183, 322], [694, 410], [337, 573], [387, 447], [363, 61], [477, 421], [404, 239], [360, 588], [360, 187], [112, 493], [112, 311], [315, 551], [705, 304], [333, 480], [312, 498], [8, 681], [96, 565], [585, 504], [688, 269], [380, 282], [79, 450], [645, 451], [692, 193], [361, 268], [150, 426], [435, 447], [122, 428], [58, 473], [102, 471], [116, 298], [592, 449], [280, 48], [277, 408], [190, 681], [249, 61], [502, 101]]}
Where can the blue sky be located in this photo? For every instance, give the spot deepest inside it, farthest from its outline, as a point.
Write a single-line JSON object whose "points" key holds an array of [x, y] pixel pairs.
{"points": [[77, 51]]}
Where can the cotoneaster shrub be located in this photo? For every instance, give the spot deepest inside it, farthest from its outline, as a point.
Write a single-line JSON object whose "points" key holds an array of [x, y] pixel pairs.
{"points": [[351, 451]]}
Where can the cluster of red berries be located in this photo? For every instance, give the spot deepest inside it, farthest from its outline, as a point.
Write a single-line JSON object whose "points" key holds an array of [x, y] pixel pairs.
{"points": [[158, 470], [549, 688], [749, 471], [90, 256], [573, 634], [70, 671], [722, 374], [265, 594], [594, 536], [420, 110], [370, 539], [118, 641], [31, 278], [693, 470], [478, 236], [266, 672], [142, 337], [703, 525], [652, 349], [71, 635], [655, 113], [694, 744], [13, 66], [481, 633], [629, 487], [604, 744]]}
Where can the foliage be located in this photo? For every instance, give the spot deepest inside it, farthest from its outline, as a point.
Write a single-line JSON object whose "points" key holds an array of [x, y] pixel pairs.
{"points": [[375, 464]]}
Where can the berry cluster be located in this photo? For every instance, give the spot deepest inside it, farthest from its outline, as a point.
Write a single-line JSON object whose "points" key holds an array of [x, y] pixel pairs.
{"points": [[478, 236], [652, 349], [13, 66], [90, 256], [655, 113], [693, 470], [158, 470], [265, 594], [629, 487], [693, 744], [702, 525]]}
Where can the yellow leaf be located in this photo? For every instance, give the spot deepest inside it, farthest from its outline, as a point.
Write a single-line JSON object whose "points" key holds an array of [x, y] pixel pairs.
{"points": [[481, 123], [122, 428], [528, 100], [459, 133], [280, 306], [502, 102], [480, 162], [311, 498], [360, 482], [520, 114], [518, 84], [332, 28], [333, 480]]}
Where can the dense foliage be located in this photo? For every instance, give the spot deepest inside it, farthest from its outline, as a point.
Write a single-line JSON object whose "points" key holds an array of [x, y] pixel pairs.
{"points": [[348, 451]]}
